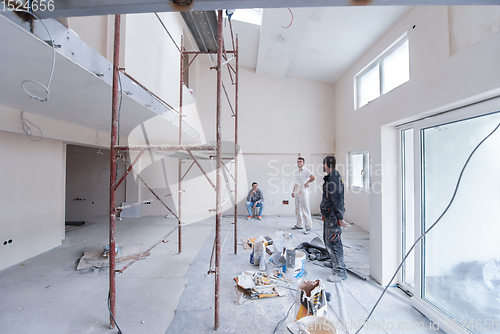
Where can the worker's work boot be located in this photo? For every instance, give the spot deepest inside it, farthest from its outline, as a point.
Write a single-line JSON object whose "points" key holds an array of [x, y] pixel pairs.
{"points": [[335, 278]]}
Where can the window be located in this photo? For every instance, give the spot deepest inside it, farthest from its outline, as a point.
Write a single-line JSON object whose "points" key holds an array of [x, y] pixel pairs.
{"points": [[386, 72], [252, 16], [461, 255], [452, 160], [359, 170], [407, 205]]}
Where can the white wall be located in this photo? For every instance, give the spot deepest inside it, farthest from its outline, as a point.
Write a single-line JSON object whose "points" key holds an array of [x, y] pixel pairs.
{"points": [[159, 176], [278, 120], [150, 55], [93, 31], [446, 65], [87, 182], [147, 54], [32, 197]]}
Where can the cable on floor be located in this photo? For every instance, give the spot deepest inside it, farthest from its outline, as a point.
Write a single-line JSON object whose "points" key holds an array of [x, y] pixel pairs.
{"points": [[27, 129], [282, 320], [111, 313], [432, 226], [46, 88]]}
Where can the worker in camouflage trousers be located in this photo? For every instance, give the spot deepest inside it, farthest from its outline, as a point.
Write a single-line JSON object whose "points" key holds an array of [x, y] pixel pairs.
{"points": [[332, 208]]}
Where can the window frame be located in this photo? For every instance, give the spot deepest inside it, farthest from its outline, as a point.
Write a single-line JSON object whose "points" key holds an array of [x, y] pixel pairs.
{"points": [[378, 60], [403, 206], [479, 105], [366, 171]]}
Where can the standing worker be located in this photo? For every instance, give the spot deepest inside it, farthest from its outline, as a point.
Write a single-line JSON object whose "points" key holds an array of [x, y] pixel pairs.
{"points": [[303, 177], [332, 208]]}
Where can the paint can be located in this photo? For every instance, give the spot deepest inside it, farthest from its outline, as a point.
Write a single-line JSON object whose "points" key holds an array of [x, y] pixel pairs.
{"points": [[316, 325], [295, 263], [300, 263]]}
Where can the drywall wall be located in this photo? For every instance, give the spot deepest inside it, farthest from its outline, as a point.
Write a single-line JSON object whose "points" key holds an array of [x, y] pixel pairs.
{"points": [[278, 120], [33, 189], [158, 176], [465, 32], [32, 197], [274, 174], [437, 78], [87, 182], [93, 31], [198, 196], [150, 55], [289, 115], [52, 129]]}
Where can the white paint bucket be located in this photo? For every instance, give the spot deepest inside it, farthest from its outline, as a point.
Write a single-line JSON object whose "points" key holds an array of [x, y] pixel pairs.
{"points": [[300, 263], [316, 325]]}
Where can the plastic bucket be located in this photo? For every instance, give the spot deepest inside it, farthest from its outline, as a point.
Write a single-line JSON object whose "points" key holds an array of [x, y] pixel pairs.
{"points": [[300, 263], [316, 325], [300, 260]]}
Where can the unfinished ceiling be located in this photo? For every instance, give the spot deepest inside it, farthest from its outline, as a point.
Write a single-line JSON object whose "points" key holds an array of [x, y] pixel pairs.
{"points": [[318, 44], [76, 66]]}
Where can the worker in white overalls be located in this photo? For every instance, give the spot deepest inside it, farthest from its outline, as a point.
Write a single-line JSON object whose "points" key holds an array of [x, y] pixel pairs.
{"points": [[303, 177]]}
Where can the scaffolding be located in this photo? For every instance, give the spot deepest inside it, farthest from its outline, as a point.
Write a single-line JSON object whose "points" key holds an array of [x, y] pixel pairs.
{"points": [[188, 152]]}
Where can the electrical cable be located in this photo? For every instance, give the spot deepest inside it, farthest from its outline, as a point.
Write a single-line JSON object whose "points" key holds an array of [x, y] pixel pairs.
{"points": [[46, 88], [288, 26], [111, 313], [282, 320], [27, 129], [100, 144], [432, 226], [119, 108]]}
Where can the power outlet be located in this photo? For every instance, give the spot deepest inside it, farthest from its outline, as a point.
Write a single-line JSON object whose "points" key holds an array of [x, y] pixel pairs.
{"points": [[285, 202]]}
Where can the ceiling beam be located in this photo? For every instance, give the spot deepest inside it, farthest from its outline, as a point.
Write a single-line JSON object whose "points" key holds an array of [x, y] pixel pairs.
{"points": [[69, 8]]}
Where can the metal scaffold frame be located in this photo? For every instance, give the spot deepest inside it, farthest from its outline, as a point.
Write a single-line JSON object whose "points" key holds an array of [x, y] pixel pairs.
{"points": [[115, 150]]}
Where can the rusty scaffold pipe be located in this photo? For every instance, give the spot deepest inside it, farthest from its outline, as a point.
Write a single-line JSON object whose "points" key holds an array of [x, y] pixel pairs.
{"points": [[112, 176], [218, 215], [236, 148]]}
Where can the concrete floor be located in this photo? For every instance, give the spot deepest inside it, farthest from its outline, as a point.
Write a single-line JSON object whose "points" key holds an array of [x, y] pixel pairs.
{"points": [[172, 293]]}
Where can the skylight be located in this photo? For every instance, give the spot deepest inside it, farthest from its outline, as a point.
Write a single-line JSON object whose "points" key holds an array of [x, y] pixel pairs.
{"points": [[252, 16]]}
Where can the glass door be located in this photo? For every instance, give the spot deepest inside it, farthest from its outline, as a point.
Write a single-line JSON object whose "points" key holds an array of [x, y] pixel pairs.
{"points": [[457, 265]]}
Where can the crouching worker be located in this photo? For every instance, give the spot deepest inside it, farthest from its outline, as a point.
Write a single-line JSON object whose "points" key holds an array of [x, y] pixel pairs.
{"points": [[255, 199]]}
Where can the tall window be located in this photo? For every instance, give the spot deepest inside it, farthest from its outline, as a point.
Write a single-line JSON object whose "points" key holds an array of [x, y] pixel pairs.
{"points": [[461, 255], [453, 161], [250, 15], [386, 72], [359, 170], [407, 205]]}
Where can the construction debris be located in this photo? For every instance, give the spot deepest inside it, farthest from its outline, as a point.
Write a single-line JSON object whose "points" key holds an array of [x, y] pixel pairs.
{"points": [[98, 260], [310, 299], [256, 285]]}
